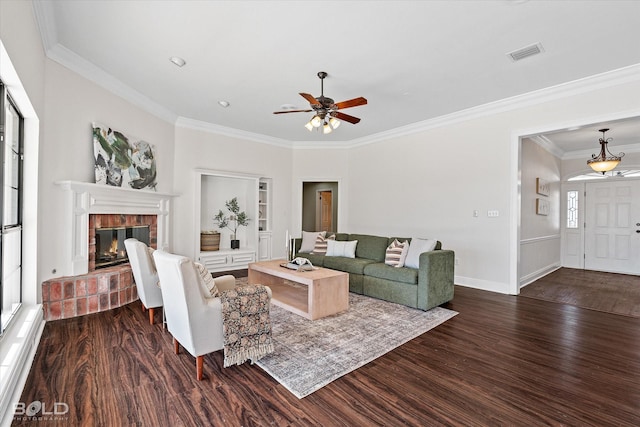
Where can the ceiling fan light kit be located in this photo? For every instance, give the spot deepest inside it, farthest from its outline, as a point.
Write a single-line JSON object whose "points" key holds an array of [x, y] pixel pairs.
{"points": [[605, 161], [326, 110]]}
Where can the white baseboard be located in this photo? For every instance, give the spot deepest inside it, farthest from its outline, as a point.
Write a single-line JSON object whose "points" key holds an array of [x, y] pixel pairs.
{"points": [[485, 285], [532, 277]]}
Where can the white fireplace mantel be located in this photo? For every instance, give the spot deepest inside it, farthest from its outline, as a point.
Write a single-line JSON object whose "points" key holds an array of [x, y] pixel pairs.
{"points": [[84, 199]]}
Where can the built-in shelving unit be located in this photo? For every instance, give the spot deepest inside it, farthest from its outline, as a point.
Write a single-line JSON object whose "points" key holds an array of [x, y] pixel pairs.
{"points": [[264, 219], [253, 194], [263, 205]]}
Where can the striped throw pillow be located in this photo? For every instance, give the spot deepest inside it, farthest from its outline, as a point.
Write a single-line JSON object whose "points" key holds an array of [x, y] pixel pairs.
{"points": [[396, 253], [209, 285], [320, 247]]}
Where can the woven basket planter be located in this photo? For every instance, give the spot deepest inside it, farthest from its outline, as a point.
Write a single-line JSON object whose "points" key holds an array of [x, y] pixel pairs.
{"points": [[209, 241]]}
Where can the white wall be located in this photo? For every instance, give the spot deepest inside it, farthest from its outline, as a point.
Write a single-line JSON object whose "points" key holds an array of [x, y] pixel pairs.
{"points": [[316, 165], [429, 183], [72, 103], [539, 234], [201, 149], [426, 184]]}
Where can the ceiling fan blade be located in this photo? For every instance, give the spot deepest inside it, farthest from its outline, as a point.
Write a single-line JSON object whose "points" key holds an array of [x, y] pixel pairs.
{"points": [[292, 111], [310, 98], [351, 103], [345, 117]]}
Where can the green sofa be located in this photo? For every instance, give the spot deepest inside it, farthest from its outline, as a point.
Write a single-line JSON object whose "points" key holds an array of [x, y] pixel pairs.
{"points": [[423, 288]]}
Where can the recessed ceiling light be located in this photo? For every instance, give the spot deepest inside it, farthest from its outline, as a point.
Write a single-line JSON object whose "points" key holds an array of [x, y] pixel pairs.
{"points": [[178, 61], [224, 104]]}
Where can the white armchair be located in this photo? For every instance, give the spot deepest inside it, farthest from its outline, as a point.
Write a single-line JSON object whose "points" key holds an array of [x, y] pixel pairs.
{"points": [[194, 319], [145, 275]]}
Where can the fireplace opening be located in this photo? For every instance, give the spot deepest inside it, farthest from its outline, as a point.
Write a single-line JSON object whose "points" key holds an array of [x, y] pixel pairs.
{"points": [[110, 249]]}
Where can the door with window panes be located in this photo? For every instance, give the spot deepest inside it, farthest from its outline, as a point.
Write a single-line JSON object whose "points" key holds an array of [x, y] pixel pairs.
{"points": [[11, 147]]}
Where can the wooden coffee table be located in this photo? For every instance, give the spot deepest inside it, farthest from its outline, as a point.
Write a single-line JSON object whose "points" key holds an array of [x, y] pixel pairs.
{"points": [[311, 294]]}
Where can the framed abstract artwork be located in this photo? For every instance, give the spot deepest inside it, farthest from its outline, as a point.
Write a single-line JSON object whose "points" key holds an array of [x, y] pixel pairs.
{"points": [[542, 206], [542, 187], [123, 161]]}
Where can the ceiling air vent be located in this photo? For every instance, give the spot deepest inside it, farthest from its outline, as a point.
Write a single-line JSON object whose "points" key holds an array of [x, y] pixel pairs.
{"points": [[525, 52]]}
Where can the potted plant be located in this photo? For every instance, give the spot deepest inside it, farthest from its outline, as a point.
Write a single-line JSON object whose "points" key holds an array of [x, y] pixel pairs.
{"points": [[232, 221]]}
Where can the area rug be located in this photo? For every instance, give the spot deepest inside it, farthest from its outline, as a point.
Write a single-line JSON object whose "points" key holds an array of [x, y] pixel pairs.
{"points": [[607, 292], [311, 354]]}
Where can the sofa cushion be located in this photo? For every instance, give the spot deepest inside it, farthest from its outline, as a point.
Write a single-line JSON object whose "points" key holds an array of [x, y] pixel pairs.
{"points": [[371, 247], [396, 253], [417, 247], [383, 271], [341, 236], [348, 265], [341, 249], [309, 240], [316, 260]]}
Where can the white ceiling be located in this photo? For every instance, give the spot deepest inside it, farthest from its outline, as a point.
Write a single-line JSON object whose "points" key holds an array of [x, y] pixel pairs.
{"points": [[412, 60]]}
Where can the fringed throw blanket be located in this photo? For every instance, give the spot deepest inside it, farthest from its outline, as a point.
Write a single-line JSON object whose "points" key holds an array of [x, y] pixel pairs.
{"points": [[246, 324]]}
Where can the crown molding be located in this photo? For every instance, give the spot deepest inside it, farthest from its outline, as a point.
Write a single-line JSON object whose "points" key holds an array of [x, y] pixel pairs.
{"points": [[46, 22], [548, 145], [45, 19], [587, 84], [91, 72], [187, 123]]}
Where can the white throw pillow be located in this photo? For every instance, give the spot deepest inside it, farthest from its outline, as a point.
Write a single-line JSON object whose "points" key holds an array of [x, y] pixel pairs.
{"points": [[396, 253], [341, 248], [417, 247], [309, 240]]}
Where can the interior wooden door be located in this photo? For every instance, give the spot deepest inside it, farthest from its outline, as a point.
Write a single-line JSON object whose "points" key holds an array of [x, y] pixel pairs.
{"points": [[326, 210], [612, 230]]}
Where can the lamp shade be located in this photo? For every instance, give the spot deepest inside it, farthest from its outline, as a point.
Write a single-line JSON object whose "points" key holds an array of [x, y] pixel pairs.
{"points": [[604, 165], [316, 121], [604, 161]]}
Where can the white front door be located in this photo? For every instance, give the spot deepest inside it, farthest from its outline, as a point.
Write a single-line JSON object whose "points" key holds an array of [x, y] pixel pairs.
{"points": [[612, 231]]}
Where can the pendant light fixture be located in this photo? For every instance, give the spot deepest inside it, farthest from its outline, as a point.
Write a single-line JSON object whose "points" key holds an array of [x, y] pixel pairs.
{"points": [[605, 161]]}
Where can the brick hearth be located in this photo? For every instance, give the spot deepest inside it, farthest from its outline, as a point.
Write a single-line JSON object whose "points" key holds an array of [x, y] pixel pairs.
{"points": [[98, 290]]}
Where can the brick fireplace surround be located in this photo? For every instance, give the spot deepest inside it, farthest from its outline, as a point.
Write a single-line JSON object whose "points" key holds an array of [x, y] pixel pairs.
{"points": [[98, 290], [85, 290]]}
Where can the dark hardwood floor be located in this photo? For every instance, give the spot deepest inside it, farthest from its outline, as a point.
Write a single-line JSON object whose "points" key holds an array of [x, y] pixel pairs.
{"points": [[504, 360]]}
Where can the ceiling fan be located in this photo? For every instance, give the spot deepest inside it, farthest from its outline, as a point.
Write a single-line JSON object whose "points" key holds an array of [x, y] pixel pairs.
{"points": [[326, 110]]}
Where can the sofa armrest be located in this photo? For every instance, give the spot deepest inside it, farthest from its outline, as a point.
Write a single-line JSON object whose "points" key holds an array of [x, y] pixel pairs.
{"points": [[225, 282], [435, 278]]}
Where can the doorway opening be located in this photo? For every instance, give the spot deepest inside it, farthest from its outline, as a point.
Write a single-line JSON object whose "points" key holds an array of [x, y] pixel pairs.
{"points": [[320, 206]]}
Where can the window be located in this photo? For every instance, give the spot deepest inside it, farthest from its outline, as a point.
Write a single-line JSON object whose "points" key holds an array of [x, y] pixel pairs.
{"points": [[11, 149], [572, 209]]}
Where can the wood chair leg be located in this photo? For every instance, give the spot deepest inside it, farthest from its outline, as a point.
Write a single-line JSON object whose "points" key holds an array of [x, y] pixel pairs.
{"points": [[199, 362], [176, 346], [151, 312], [143, 307]]}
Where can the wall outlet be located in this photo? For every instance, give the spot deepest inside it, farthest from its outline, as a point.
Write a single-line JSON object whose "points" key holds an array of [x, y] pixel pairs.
{"points": [[493, 214]]}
